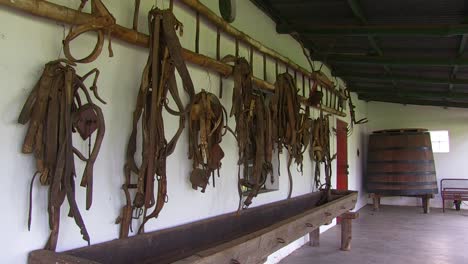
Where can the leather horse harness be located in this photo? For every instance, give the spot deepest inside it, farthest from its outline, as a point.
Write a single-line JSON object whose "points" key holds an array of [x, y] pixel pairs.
{"points": [[207, 124], [158, 81], [55, 110], [292, 128], [320, 153], [253, 131]]}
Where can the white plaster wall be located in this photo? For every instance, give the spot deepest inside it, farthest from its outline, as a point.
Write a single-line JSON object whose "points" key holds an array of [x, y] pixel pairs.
{"points": [[27, 43], [448, 165]]}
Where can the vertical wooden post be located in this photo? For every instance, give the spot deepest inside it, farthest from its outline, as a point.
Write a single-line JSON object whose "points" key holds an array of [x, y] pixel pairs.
{"points": [[218, 57], [276, 68], [314, 238], [346, 230], [303, 85], [426, 204], [136, 14], [197, 33], [376, 201], [251, 57], [346, 234]]}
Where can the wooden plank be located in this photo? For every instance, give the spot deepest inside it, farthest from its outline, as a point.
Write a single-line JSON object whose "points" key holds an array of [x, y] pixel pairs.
{"points": [[258, 245]]}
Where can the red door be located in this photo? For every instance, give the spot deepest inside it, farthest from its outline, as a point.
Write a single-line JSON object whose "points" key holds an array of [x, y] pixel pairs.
{"points": [[341, 156]]}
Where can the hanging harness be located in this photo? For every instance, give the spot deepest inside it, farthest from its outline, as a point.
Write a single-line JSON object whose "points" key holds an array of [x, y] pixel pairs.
{"points": [[253, 132], [206, 128], [54, 110], [292, 128], [320, 153], [158, 81]]}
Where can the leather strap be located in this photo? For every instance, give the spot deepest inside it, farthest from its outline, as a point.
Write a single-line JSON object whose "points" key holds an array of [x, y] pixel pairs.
{"points": [[102, 23]]}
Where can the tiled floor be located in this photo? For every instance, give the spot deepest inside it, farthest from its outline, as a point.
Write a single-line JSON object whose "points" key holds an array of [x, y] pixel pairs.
{"points": [[394, 235]]}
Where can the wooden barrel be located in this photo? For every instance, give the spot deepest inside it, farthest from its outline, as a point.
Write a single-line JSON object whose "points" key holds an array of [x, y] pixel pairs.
{"points": [[400, 162]]}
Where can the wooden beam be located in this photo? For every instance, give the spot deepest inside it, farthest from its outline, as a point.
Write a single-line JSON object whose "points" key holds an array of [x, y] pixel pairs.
{"points": [[359, 13], [402, 61], [406, 101], [410, 93], [437, 30], [67, 15], [461, 50], [273, 14], [402, 78]]}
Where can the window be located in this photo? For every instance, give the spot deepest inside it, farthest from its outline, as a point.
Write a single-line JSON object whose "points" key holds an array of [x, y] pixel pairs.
{"points": [[272, 182], [440, 141]]}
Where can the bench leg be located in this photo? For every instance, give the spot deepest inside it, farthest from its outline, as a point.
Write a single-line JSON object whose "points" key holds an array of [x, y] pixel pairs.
{"points": [[443, 205], [346, 234], [314, 238], [376, 201], [346, 230]]}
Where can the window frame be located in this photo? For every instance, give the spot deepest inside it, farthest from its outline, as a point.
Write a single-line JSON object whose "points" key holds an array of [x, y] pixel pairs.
{"points": [[437, 140]]}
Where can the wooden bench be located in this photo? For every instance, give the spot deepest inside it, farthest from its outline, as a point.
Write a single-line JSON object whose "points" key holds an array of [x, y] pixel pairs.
{"points": [[453, 189]]}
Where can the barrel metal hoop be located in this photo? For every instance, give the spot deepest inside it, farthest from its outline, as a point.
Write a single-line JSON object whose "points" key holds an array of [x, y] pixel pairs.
{"points": [[402, 173], [399, 134], [403, 192], [401, 148], [403, 183]]}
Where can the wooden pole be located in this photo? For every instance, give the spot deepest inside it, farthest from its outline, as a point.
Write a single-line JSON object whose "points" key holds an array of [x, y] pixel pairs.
{"points": [[67, 15]]}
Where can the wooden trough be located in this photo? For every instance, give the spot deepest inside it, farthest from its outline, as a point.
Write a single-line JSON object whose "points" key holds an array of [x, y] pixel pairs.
{"points": [[248, 237]]}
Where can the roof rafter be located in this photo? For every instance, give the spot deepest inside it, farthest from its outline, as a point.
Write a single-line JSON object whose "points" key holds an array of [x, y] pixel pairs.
{"points": [[414, 101], [359, 13], [404, 78], [406, 93], [382, 60], [440, 30]]}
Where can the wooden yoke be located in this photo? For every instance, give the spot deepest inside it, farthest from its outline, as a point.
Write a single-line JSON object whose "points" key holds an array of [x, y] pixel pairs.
{"points": [[346, 230]]}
